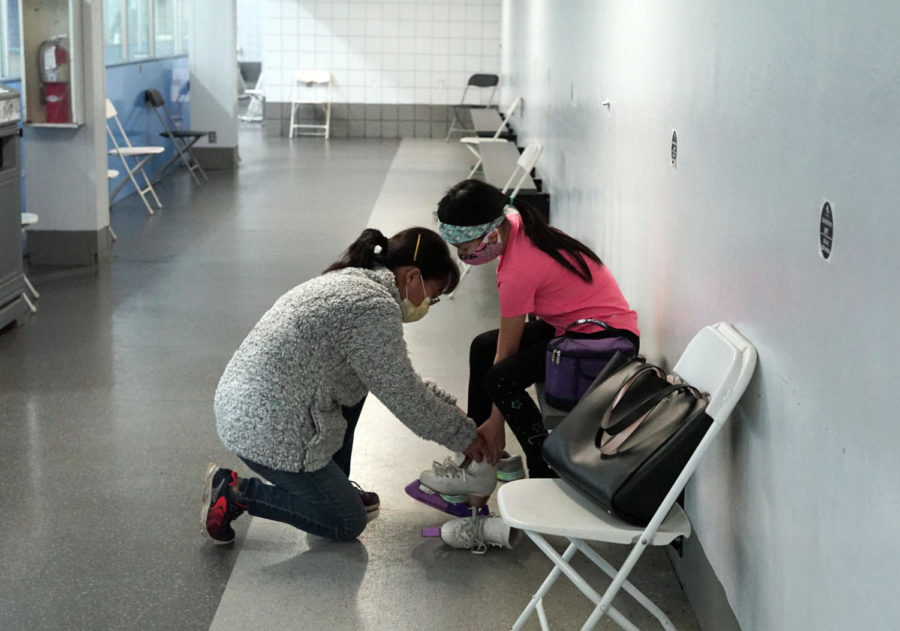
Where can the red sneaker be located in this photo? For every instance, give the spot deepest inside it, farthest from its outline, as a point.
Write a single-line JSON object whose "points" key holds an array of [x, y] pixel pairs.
{"points": [[369, 498], [219, 505]]}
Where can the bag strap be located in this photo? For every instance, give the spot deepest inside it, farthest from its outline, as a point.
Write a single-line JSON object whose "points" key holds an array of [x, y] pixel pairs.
{"points": [[611, 441], [581, 321], [623, 390]]}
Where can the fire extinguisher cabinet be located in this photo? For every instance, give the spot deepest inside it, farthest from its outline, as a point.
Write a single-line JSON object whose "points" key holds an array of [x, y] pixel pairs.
{"points": [[52, 77]]}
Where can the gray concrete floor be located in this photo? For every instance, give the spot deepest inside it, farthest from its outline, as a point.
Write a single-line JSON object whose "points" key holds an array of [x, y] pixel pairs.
{"points": [[106, 418]]}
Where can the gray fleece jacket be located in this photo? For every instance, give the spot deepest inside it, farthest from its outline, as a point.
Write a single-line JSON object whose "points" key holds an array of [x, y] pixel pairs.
{"points": [[324, 344]]}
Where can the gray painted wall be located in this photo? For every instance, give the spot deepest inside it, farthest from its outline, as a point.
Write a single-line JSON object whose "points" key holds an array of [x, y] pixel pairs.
{"points": [[778, 107]]}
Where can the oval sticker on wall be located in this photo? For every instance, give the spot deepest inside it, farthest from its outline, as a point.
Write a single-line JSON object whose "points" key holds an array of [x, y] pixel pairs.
{"points": [[826, 231], [674, 147]]}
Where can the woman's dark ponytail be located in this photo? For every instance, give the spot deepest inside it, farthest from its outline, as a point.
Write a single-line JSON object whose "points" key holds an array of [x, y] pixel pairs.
{"points": [[473, 202], [361, 252], [419, 247], [555, 242]]}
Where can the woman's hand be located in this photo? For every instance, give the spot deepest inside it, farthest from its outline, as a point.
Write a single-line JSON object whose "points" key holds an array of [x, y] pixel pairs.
{"points": [[476, 451], [493, 431]]}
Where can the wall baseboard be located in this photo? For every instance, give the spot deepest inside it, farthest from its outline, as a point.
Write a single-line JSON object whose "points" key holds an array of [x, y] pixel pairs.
{"points": [[702, 587], [365, 120], [67, 248], [216, 158]]}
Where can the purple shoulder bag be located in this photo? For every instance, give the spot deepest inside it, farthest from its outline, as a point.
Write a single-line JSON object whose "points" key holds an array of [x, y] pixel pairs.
{"points": [[575, 359]]}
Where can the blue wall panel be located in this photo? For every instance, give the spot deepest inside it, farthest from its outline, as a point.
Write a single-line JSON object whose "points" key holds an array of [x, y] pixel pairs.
{"points": [[125, 87]]}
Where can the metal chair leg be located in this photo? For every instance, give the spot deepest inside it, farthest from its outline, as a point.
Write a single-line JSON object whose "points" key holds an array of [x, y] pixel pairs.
{"points": [[31, 288]]}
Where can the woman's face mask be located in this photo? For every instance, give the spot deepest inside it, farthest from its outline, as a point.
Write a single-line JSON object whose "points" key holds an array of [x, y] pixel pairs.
{"points": [[485, 252], [412, 312]]}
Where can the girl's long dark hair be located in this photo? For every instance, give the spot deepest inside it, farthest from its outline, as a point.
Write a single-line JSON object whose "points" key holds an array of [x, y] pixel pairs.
{"points": [[420, 247], [473, 202]]}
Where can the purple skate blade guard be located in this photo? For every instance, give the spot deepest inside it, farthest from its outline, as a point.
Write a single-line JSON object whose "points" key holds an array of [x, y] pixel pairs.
{"points": [[434, 531], [436, 501]]}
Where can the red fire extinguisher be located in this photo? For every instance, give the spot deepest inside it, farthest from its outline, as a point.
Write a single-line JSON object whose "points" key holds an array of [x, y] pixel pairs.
{"points": [[53, 70]]}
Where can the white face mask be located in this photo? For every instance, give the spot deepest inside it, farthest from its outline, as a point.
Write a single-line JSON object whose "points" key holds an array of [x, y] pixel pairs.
{"points": [[411, 312]]}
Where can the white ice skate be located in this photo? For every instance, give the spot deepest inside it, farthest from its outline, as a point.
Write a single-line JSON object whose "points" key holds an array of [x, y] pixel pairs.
{"points": [[478, 533], [459, 481]]}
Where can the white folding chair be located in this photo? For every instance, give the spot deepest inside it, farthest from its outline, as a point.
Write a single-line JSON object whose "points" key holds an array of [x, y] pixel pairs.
{"points": [[480, 83], [472, 142], [182, 139], [138, 154], [718, 361], [254, 113], [29, 219], [524, 166], [310, 87], [526, 162]]}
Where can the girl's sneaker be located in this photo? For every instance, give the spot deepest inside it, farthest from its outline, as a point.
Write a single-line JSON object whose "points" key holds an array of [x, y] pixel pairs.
{"points": [[510, 468]]}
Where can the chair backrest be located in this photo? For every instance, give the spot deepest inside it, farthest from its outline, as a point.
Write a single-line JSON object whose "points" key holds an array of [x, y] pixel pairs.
{"points": [[158, 103], [484, 80], [311, 86], [111, 114], [524, 165], [312, 76], [720, 362], [154, 98], [506, 116], [481, 81]]}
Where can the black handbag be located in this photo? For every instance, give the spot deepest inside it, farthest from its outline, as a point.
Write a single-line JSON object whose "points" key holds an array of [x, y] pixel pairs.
{"points": [[628, 439]]}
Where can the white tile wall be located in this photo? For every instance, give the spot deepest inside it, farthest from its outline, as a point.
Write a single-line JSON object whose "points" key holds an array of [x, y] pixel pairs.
{"points": [[249, 30], [381, 51]]}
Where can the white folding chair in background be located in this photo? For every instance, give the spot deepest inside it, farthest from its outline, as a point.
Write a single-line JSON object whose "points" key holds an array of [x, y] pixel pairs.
{"points": [[254, 112], [310, 87], [182, 139], [479, 83], [29, 219], [139, 155], [472, 142], [524, 165], [718, 361]]}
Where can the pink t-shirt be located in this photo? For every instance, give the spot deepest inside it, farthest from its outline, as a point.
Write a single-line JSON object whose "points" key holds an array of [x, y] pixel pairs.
{"points": [[530, 281]]}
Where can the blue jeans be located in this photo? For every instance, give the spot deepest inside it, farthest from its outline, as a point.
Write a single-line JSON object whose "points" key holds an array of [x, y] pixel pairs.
{"points": [[322, 502]]}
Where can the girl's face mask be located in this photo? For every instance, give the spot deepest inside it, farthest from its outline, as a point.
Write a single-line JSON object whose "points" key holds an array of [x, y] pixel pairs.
{"points": [[412, 312], [485, 252]]}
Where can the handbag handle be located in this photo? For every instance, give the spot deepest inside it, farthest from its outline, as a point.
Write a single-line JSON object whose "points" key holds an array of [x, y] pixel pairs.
{"points": [[623, 390], [581, 321], [611, 441]]}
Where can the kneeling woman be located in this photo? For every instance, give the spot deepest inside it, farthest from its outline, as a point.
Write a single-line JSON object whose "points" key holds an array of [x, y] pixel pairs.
{"points": [[544, 272], [289, 400]]}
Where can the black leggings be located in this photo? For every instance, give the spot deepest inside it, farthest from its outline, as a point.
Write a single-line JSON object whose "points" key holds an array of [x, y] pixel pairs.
{"points": [[503, 384]]}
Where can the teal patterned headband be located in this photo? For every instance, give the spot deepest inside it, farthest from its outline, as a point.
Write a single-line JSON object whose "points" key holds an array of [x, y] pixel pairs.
{"points": [[460, 234]]}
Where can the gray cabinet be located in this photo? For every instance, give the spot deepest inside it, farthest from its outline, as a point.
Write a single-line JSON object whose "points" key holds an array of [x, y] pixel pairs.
{"points": [[13, 304]]}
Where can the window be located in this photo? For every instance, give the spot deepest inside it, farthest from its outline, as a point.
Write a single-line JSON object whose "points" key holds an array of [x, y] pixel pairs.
{"points": [[164, 33], [139, 30], [10, 47], [113, 31]]}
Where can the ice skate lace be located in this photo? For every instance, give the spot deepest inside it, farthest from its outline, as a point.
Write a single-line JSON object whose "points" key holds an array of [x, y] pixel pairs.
{"points": [[471, 535], [446, 469]]}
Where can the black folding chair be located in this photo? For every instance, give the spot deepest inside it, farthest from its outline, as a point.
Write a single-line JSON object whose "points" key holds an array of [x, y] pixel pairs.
{"points": [[481, 83], [182, 139]]}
